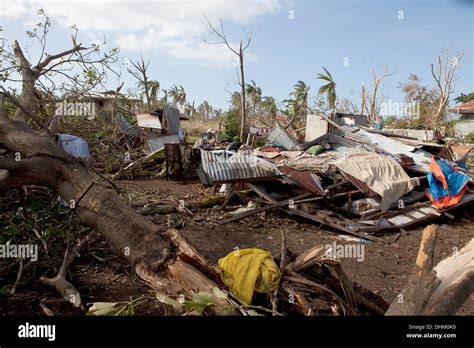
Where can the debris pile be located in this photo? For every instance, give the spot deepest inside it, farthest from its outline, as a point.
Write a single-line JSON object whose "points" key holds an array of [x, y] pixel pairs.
{"points": [[352, 179]]}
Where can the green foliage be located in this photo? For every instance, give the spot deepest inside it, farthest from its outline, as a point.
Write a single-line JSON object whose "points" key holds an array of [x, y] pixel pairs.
{"points": [[48, 224], [297, 103], [329, 88], [462, 98], [389, 121], [7, 106], [470, 137], [231, 125], [202, 303]]}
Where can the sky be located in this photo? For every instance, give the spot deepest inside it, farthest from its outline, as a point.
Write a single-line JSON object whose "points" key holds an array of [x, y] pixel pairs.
{"points": [[291, 40]]}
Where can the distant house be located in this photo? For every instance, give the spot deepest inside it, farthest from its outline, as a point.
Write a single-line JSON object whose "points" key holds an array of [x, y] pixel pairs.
{"points": [[465, 123], [351, 120], [105, 101], [90, 104], [317, 126]]}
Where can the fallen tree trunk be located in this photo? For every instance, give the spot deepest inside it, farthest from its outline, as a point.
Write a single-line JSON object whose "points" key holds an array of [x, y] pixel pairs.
{"points": [[439, 290], [164, 260]]}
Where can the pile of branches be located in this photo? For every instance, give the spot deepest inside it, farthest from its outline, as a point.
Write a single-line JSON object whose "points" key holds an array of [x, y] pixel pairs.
{"points": [[313, 284]]}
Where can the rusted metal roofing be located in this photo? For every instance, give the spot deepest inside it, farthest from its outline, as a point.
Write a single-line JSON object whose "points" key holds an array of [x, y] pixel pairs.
{"points": [[464, 108], [224, 166], [306, 179], [362, 186]]}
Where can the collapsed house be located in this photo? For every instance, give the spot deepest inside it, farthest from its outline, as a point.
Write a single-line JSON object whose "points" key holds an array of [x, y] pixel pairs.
{"points": [[164, 139], [352, 179]]}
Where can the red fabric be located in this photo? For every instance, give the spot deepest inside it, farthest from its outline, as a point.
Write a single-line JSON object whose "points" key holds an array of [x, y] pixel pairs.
{"points": [[446, 201], [270, 149], [438, 173]]}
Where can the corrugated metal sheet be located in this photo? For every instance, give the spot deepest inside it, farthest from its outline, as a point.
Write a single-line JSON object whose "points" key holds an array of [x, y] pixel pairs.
{"points": [[362, 186], [148, 121], [172, 115], [125, 126], [225, 166], [280, 137], [307, 180], [156, 142]]}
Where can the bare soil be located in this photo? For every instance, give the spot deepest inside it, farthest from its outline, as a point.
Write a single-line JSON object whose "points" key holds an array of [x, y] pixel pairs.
{"points": [[101, 275]]}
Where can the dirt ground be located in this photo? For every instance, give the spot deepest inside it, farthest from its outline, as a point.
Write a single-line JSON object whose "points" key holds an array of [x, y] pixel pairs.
{"points": [[101, 276]]}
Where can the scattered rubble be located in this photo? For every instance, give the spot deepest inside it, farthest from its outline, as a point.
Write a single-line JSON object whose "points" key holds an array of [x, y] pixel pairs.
{"points": [[353, 179]]}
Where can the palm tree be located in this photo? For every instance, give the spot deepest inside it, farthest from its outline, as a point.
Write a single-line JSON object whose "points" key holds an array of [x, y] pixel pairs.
{"points": [[329, 89], [205, 109], [183, 95], [300, 94], [177, 95], [254, 93], [291, 106], [189, 109], [270, 108], [164, 100], [173, 93], [154, 89]]}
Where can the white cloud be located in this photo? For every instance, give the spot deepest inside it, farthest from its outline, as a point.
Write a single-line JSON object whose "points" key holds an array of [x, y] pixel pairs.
{"points": [[175, 28], [13, 9]]}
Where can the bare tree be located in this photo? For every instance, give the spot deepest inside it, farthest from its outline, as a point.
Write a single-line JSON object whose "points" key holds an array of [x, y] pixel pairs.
{"points": [[239, 52], [373, 104], [37, 85], [140, 73], [363, 95], [346, 106], [444, 75]]}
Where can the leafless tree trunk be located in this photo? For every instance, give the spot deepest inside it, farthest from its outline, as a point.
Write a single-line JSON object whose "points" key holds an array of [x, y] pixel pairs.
{"points": [[363, 95], [439, 290], [373, 110], [222, 39], [243, 120], [141, 75], [443, 74]]}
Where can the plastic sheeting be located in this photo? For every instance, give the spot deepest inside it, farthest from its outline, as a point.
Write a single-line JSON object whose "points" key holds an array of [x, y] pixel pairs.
{"points": [[381, 174], [446, 184], [74, 145]]}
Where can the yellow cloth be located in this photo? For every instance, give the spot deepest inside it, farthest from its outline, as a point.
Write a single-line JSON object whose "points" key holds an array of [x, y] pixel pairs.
{"points": [[247, 270]]}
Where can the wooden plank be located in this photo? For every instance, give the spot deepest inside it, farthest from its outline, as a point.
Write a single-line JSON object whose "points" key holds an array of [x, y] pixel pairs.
{"points": [[261, 192], [327, 222], [265, 208]]}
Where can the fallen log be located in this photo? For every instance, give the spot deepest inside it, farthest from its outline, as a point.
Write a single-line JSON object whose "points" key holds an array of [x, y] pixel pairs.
{"points": [[157, 257], [439, 290]]}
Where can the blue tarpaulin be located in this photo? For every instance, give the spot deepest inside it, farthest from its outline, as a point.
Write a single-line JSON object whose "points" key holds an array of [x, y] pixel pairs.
{"points": [[446, 184], [74, 145]]}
